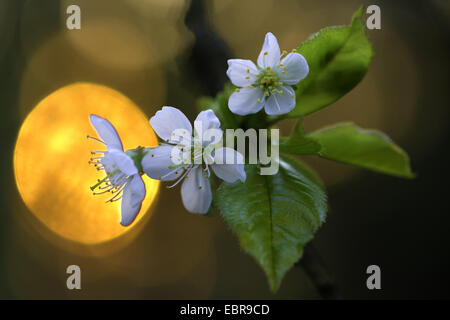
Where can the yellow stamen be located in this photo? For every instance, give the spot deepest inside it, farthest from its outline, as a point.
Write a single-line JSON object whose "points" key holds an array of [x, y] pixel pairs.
{"points": [[238, 90]]}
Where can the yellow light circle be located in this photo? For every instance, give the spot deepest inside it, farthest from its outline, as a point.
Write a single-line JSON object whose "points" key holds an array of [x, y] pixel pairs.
{"points": [[51, 161]]}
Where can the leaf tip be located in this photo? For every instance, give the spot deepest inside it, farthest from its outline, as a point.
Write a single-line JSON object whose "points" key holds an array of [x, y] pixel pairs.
{"points": [[358, 14]]}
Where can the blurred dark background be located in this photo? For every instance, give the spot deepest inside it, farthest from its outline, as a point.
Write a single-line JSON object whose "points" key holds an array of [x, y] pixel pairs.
{"points": [[160, 52]]}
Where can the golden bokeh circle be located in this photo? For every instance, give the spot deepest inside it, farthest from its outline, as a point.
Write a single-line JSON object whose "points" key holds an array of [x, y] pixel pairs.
{"points": [[51, 161]]}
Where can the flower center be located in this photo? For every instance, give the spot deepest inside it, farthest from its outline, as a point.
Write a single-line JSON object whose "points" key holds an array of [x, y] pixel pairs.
{"points": [[269, 81]]}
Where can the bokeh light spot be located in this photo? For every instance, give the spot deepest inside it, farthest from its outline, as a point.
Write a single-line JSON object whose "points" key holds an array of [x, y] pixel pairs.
{"points": [[51, 161]]}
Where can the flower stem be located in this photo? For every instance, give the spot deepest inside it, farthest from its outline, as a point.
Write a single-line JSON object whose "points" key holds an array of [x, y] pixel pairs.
{"points": [[316, 270]]}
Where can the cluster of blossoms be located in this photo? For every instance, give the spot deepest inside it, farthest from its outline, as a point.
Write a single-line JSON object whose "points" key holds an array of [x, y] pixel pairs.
{"points": [[190, 154], [185, 155]]}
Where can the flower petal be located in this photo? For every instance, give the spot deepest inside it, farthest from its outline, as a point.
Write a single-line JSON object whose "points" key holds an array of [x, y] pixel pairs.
{"points": [[242, 73], [106, 132], [282, 103], [133, 195], [196, 192], [158, 161], [229, 165], [207, 126], [270, 53], [206, 120], [246, 101], [122, 162], [167, 120], [295, 68]]}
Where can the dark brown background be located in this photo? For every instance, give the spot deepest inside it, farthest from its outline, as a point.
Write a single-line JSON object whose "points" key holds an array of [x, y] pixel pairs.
{"points": [[400, 225]]}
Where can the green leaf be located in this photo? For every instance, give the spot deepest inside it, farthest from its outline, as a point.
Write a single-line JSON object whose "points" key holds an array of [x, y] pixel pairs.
{"points": [[219, 105], [274, 216], [298, 143], [338, 58], [370, 149]]}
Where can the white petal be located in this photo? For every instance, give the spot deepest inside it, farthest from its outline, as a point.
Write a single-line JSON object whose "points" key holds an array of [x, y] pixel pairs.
{"points": [[229, 165], [133, 195], [242, 73], [106, 132], [246, 101], [196, 192], [157, 161], [122, 162], [270, 53], [207, 127], [282, 103], [167, 120], [296, 68], [206, 120]]}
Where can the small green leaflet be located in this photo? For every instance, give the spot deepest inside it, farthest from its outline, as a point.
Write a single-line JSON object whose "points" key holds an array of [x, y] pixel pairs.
{"points": [[370, 149]]}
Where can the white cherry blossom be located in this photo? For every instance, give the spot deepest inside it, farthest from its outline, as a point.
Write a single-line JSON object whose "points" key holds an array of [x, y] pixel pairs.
{"points": [[268, 84], [182, 156], [123, 179]]}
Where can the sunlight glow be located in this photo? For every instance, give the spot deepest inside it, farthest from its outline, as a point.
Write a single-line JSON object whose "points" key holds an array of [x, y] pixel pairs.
{"points": [[51, 161]]}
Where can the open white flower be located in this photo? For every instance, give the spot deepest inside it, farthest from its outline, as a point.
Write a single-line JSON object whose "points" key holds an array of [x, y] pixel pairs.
{"points": [[123, 179], [269, 83], [188, 158]]}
